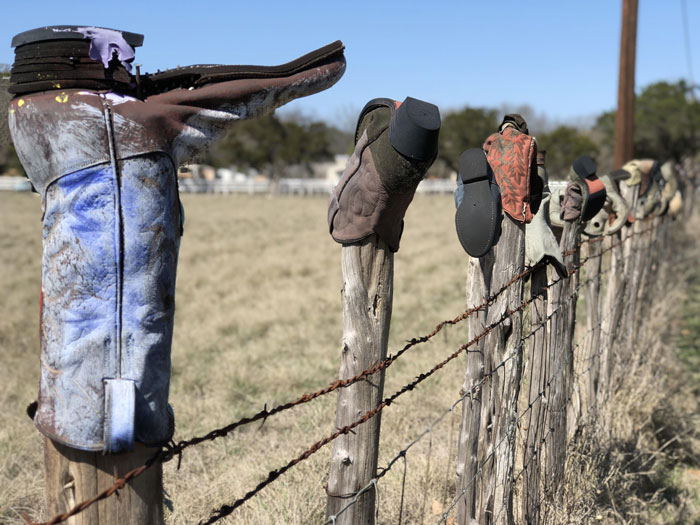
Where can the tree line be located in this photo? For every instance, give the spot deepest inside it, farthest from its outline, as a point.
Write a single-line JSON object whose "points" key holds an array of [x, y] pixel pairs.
{"points": [[667, 125]]}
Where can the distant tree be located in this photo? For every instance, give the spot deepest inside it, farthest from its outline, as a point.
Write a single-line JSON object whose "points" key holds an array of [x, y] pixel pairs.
{"points": [[269, 143], [563, 145], [464, 129], [666, 122]]}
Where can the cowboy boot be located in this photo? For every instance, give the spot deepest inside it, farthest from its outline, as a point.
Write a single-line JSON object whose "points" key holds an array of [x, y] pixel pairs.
{"points": [[540, 242], [104, 163], [585, 192], [478, 200], [512, 155], [613, 216], [395, 144]]}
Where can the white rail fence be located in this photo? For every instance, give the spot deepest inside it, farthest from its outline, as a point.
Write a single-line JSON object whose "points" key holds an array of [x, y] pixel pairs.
{"points": [[252, 187]]}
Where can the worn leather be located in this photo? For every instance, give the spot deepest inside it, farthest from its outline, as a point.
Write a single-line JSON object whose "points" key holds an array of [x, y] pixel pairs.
{"points": [[378, 183], [617, 207], [613, 216], [513, 158], [675, 206], [105, 166], [573, 201], [540, 242], [668, 172], [180, 123], [585, 194], [646, 174], [557, 196], [640, 172], [478, 200], [61, 57], [515, 120]]}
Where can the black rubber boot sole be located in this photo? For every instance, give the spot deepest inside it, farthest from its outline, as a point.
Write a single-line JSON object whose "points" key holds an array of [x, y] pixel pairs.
{"points": [[414, 129], [478, 218]]}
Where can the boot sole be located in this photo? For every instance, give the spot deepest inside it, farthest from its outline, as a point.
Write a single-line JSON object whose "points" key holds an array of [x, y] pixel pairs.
{"points": [[478, 217]]}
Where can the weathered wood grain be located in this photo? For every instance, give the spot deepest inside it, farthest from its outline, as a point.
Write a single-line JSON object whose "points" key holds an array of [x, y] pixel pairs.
{"points": [[478, 277], [74, 475], [367, 294]]}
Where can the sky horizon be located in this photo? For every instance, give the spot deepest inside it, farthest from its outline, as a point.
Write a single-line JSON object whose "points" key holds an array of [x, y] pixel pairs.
{"points": [[559, 58]]}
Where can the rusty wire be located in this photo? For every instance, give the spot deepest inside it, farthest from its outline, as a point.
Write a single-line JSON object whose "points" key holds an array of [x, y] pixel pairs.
{"points": [[226, 510], [540, 394], [538, 449], [170, 451], [355, 497]]}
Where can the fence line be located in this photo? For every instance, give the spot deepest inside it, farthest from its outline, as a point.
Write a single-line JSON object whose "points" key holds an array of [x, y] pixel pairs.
{"points": [[285, 186], [176, 449], [531, 404], [542, 393], [292, 186]]}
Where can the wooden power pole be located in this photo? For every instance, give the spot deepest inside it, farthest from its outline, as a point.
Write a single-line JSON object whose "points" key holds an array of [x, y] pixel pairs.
{"points": [[624, 118]]}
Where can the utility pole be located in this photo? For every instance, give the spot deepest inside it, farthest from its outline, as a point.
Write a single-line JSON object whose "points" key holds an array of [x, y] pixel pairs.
{"points": [[624, 118]]}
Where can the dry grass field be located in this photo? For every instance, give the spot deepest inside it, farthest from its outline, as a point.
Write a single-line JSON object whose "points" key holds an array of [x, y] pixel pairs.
{"points": [[258, 322]]}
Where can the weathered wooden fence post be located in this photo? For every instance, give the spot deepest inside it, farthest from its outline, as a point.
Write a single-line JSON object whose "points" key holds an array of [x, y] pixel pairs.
{"points": [[613, 308], [367, 294], [503, 355], [395, 143], [631, 248], [75, 475], [489, 422], [591, 351], [539, 370], [478, 280], [562, 309], [541, 249], [650, 278]]}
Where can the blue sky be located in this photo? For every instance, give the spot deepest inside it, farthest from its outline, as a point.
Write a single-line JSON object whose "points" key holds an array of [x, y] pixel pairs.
{"points": [[560, 57]]}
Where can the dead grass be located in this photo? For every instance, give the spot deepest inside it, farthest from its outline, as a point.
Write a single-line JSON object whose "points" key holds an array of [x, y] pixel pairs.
{"points": [[258, 322], [639, 462]]}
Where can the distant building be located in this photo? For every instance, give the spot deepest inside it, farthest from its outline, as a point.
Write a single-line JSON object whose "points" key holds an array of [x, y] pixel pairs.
{"points": [[330, 170]]}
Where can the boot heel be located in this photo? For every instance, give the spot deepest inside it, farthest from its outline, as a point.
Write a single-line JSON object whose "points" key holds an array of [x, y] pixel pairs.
{"points": [[414, 129], [478, 216], [473, 166]]}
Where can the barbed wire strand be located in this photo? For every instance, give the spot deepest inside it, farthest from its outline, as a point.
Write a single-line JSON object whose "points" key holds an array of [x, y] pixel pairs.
{"points": [[171, 451], [469, 393], [226, 510], [540, 394]]}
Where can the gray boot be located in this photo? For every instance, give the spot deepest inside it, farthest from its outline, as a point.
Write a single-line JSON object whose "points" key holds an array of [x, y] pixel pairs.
{"points": [[540, 243]]}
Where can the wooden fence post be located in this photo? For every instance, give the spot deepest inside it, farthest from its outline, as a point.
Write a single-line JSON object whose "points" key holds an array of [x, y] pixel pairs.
{"points": [[645, 258], [649, 273], [478, 278], [590, 362], [499, 394], [74, 475], [613, 307], [537, 370], [367, 294], [562, 308], [631, 252]]}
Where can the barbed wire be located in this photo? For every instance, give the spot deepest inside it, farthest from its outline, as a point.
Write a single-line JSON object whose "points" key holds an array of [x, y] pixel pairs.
{"points": [[540, 394], [372, 483], [226, 510], [176, 449], [397, 457]]}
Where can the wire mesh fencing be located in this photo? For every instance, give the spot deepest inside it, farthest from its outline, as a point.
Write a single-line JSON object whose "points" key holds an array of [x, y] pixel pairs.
{"points": [[560, 390]]}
